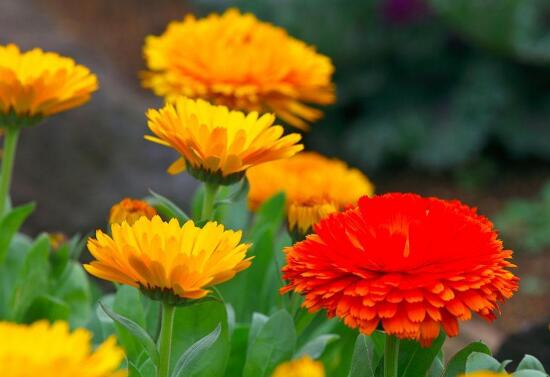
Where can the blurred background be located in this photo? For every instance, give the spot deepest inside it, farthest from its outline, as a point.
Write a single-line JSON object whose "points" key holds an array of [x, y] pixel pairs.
{"points": [[440, 97]]}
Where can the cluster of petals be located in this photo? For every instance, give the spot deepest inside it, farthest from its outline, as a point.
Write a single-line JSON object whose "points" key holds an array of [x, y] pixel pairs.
{"points": [[314, 186], [236, 60], [217, 141], [130, 210], [38, 83], [159, 256], [52, 350], [409, 264]]}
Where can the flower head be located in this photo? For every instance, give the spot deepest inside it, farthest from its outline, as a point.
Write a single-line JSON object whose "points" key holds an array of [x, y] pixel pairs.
{"points": [[216, 144], [52, 350], [409, 263], [314, 186], [35, 84], [302, 367], [166, 260], [236, 60], [130, 210], [485, 374]]}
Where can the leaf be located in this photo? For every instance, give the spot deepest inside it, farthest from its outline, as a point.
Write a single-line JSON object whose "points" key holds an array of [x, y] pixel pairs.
{"points": [[136, 330], [315, 347], [184, 365], [193, 323], [437, 368], [128, 304], [34, 273], [73, 288], [271, 212], [530, 362], [167, 208], [46, 307], [237, 194], [365, 359], [529, 373], [239, 343], [457, 364], [414, 360], [481, 361], [273, 343], [10, 224]]}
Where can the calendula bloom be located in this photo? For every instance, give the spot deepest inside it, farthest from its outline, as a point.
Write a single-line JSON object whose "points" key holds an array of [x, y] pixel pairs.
{"points": [[52, 350], [218, 145], [35, 84], [485, 374], [130, 210], [165, 260], [409, 263], [314, 186], [238, 61], [302, 367]]}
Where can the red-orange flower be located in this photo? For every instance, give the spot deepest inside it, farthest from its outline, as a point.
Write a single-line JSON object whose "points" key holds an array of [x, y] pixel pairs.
{"points": [[409, 263]]}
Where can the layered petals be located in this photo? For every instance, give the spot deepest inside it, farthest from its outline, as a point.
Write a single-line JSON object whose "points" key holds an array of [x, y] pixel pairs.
{"points": [[130, 210]]}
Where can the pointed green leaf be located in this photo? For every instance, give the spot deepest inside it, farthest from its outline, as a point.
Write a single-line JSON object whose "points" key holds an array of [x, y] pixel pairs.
{"points": [[10, 224], [530, 362], [365, 358], [315, 347], [529, 373], [184, 367], [167, 208], [414, 360], [457, 364], [481, 361]]}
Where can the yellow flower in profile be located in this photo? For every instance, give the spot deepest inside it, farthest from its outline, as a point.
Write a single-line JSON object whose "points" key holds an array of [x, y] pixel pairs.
{"points": [[168, 261], [236, 60], [217, 145], [314, 185], [303, 367], [35, 84], [485, 374], [52, 350], [130, 210]]}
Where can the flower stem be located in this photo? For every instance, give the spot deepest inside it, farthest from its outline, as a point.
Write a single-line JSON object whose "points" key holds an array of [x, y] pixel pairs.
{"points": [[391, 356], [165, 339], [210, 192], [8, 157]]}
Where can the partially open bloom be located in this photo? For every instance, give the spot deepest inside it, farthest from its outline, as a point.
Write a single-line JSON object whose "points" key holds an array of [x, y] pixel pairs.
{"points": [[236, 60], [216, 144], [485, 374], [302, 367], [165, 260], [57, 239], [314, 186], [52, 350], [35, 84], [409, 263], [130, 210]]}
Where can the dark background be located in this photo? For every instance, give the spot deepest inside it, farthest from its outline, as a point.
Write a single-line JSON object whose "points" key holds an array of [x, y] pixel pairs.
{"points": [[440, 97]]}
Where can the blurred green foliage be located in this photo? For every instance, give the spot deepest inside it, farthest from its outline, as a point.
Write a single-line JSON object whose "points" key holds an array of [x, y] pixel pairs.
{"points": [[430, 84]]}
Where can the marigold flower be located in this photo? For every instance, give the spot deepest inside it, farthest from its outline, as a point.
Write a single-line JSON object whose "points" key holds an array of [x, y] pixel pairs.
{"points": [[165, 260], [130, 210], [302, 367], [52, 350], [314, 186], [409, 263], [236, 60], [34, 84], [218, 145]]}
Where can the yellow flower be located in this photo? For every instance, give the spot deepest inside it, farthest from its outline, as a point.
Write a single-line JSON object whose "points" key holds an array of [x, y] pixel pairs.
{"points": [[130, 210], [34, 84], [218, 145], [314, 186], [51, 350], [485, 374], [303, 367], [236, 60], [168, 261]]}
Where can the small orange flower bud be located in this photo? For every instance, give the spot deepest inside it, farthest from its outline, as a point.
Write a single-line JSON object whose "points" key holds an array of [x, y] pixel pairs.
{"points": [[130, 210]]}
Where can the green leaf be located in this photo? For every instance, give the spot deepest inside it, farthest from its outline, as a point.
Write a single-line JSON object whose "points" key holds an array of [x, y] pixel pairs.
{"points": [[184, 366], [167, 208], [47, 307], [128, 304], [136, 330], [238, 193], [271, 212], [239, 343], [34, 273], [457, 364], [365, 358], [10, 224], [437, 369], [133, 370], [273, 343], [73, 288], [194, 322], [9, 270], [529, 373], [315, 347], [481, 361], [414, 360], [530, 362]]}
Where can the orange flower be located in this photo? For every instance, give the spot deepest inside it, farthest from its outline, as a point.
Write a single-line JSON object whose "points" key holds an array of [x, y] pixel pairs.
{"points": [[409, 263], [236, 60], [130, 210]]}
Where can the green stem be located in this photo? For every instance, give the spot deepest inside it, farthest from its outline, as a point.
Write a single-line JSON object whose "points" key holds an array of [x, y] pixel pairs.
{"points": [[210, 192], [391, 356], [165, 339], [8, 157]]}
